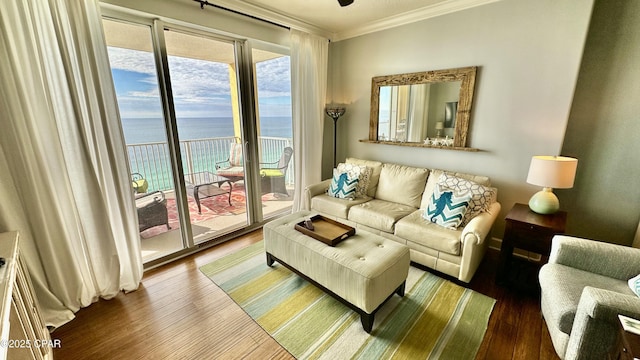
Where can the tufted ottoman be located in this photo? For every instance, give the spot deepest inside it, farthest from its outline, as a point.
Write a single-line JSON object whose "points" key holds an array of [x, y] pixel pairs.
{"points": [[362, 271]]}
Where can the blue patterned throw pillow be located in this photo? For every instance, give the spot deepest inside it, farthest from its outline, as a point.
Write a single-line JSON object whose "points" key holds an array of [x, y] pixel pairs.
{"points": [[447, 207], [634, 284], [343, 185]]}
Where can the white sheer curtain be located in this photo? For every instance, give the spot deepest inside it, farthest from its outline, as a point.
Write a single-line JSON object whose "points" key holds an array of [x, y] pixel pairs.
{"points": [[63, 174], [309, 61]]}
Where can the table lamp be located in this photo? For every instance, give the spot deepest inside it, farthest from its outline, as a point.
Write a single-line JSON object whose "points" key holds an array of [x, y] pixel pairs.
{"points": [[439, 127], [550, 172]]}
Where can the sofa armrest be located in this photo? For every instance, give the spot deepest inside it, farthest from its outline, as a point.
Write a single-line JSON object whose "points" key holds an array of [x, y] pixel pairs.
{"points": [[595, 326], [315, 190], [474, 244], [478, 228], [611, 260]]}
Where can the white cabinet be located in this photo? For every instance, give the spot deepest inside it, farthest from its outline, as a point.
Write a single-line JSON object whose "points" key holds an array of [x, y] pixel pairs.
{"points": [[23, 334]]}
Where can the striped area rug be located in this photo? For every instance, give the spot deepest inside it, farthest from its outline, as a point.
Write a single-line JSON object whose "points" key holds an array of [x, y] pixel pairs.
{"points": [[436, 319]]}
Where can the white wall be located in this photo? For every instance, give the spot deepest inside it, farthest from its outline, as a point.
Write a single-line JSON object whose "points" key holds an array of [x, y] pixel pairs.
{"points": [[528, 54]]}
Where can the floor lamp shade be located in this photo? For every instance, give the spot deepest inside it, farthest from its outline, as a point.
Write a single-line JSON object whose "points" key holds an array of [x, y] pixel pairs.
{"points": [[550, 172]]}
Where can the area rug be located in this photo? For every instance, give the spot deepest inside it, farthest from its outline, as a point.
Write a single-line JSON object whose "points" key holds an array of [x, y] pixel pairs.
{"points": [[436, 319]]}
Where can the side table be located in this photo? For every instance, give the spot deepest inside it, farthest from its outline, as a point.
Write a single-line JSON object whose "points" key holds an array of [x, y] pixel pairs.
{"points": [[627, 347], [528, 231]]}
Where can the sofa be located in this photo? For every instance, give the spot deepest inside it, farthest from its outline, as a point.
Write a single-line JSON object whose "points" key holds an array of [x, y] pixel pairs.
{"points": [[584, 286], [392, 204]]}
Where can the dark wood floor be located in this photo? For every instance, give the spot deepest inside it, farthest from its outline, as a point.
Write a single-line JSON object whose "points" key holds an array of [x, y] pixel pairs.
{"points": [[178, 313]]}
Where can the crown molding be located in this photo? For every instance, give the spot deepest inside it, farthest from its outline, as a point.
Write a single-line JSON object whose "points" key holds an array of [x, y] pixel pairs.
{"points": [[272, 16], [424, 13], [411, 17]]}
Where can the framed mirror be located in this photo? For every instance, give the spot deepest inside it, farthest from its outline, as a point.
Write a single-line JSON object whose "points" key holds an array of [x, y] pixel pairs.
{"points": [[408, 109]]}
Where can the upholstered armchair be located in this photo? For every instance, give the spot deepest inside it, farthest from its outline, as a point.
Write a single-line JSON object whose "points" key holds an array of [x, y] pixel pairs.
{"points": [[584, 288]]}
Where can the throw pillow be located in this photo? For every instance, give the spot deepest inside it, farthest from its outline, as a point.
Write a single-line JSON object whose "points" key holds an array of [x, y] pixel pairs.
{"points": [[481, 196], [343, 186], [447, 207], [362, 172], [634, 284], [235, 154]]}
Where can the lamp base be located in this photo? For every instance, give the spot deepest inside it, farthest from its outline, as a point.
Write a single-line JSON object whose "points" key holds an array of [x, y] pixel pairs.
{"points": [[544, 202]]}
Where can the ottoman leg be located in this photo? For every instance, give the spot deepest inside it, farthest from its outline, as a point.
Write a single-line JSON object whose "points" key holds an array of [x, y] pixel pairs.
{"points": [[270, 260], [400, 290], [367, 321]]}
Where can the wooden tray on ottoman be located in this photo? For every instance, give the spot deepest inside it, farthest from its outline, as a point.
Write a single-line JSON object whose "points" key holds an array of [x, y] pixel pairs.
{"points": [[326, 230]]}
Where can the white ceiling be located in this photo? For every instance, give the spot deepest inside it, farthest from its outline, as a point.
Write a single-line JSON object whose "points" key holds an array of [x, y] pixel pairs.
{"points": [[328, 18]]}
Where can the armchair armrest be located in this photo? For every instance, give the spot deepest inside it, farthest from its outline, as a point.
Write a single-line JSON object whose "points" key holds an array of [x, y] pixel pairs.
{"points": [[612, 260], [595, 326], [606, 304]]}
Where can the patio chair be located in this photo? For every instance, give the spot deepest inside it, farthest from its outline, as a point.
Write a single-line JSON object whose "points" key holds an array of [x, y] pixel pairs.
{"points": [[232, 168], [273, 175], [139, 183], [152, 210]]}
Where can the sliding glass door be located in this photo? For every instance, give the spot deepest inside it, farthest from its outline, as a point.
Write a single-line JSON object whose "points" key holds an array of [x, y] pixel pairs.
{"points": [[190, 118]]}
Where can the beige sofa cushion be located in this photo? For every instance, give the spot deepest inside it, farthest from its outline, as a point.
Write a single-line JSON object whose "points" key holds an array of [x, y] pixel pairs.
{"points": [[402, 184], [379, 214], [418, 230], [376, 168], [334, 206]]}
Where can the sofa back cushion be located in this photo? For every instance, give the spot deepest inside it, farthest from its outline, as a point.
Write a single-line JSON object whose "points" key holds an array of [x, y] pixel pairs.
{"points": [[402, 184], [376, 168], [433, 180]]}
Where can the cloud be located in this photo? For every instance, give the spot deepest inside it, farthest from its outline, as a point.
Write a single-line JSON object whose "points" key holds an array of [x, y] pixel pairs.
{"points": [[200, 88]]}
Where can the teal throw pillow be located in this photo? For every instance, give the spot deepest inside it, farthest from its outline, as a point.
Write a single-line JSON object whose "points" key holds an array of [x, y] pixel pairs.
{"points": [[447, 207], [343, 185], [634, 284]]}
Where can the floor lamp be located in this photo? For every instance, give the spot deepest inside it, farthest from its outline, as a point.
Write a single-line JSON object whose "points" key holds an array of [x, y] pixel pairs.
{"points": [[334, 113]]}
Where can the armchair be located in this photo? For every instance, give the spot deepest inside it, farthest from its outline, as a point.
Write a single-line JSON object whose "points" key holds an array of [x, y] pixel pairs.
{"points": [[232, 168], [583, 289], [273, 174], [152, 210]]}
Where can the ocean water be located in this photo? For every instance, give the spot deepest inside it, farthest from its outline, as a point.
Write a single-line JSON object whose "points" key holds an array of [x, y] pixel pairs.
{"points": [[152, 161], [145, 130]]}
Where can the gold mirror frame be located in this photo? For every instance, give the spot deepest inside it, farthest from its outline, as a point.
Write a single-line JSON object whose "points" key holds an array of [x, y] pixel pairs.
{"points": [[467, 75]]}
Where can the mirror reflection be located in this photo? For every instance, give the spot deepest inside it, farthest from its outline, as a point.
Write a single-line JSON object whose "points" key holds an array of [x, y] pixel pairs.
{"points": [[430, 108], [416, 112]]}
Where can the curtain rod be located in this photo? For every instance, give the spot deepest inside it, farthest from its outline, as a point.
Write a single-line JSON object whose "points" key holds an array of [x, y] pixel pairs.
{"points": [[205, 2]]}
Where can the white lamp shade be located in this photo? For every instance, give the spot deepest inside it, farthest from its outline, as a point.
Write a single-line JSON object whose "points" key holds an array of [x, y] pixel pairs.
{"points": [[439, 125], [556, 172]]}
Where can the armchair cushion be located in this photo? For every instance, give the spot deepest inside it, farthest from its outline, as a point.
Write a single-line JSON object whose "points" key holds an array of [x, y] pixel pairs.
{"points": [[271, 172], [235, 154]]}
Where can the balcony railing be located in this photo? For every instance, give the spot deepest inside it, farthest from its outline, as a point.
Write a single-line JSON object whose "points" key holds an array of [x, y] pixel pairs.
{"points": [[151, 160]]}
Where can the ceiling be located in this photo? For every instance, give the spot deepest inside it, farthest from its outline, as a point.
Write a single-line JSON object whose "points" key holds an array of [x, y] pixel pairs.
{"points": [[328, 18]]}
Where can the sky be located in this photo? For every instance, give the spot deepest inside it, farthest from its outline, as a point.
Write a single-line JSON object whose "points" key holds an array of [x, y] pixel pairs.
{"points": [[200, 88]]}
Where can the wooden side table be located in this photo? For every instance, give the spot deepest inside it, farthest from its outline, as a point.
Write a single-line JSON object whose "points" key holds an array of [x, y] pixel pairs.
{"points": [[627, 347], [528, 231]]}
